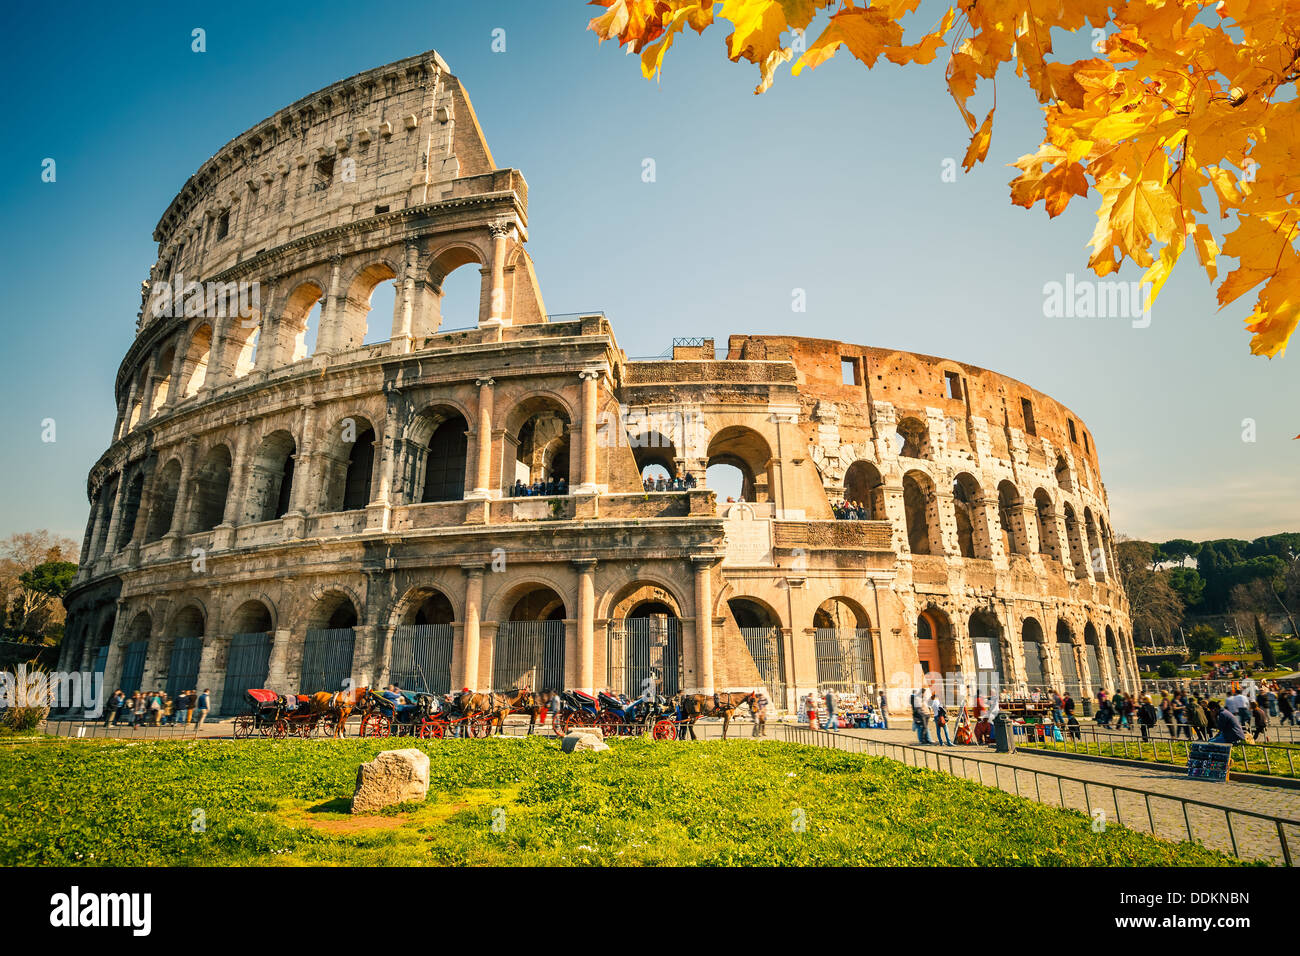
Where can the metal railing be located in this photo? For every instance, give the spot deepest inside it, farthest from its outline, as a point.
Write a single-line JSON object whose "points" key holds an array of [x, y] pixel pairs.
{"points": [[80, 729], [1103, 743], [1282, 830]]}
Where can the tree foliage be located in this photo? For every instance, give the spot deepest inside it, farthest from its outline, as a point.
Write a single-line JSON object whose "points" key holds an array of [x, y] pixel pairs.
{"points": [[1154, 607], [1203, 639], [1185, 101], [35, 572], [1267, 657]]}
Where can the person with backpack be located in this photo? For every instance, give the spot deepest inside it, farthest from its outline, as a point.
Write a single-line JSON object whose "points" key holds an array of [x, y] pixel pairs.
{"points": [[1147, 716], [941, 736], [832, 721], [201, 711]]}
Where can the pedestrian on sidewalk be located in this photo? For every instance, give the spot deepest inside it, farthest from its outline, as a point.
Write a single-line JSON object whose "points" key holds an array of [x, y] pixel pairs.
{"points": [[760, 713], [884, 711], [832, 721], [941, 736], [201, 711]]}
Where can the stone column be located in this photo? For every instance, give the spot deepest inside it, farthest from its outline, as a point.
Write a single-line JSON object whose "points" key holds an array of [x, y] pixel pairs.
{"points": [[500, 231], [181, 513], [302, 462], [269, 333], [483, 441], [587, 484], [145, 508], [467, 675], [586, 568], [327, 336], [704, 621], [178, 368], [110, 540], [239, 470], [404, 307]]}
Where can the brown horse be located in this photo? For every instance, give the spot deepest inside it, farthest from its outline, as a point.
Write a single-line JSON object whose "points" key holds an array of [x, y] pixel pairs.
{"points": [[695, 706], [337, 705], [498, 705]]}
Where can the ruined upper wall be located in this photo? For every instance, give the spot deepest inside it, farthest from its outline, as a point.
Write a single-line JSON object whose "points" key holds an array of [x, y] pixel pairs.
{"points": [[912, 383], [386, 139]]}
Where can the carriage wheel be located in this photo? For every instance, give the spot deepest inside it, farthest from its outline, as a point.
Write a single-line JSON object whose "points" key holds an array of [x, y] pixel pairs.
{"points": [[265, 727], [480, 727], [243, 727], [665, 730], [611, 728], [280, 729], [375, 726], [433, 730], [324, 727], [302, 728]]}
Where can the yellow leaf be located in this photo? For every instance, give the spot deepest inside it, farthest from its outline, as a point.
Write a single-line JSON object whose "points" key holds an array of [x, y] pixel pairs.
{"points": [[979, 144], [1207, 250], [866, 31]]}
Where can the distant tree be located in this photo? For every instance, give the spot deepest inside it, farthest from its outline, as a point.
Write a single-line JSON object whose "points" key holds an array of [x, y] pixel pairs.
{"points": [[1179, 549], [1268, 658], [32, 607], [1188, 583], [1167, 669], [1203, 639], [1154, 606]]}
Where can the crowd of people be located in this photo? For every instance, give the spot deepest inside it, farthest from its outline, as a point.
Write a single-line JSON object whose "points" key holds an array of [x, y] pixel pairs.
{"points": [[551, 486], [663, 483], [1243, 715], [156, 708], [850, 511]]}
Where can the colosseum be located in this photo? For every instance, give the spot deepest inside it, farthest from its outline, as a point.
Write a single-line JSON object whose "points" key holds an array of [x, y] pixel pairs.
{"points": [[284, 503]]}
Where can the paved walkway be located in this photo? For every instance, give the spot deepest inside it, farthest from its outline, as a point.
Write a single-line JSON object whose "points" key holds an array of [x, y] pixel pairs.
{"points": [[1153, 808]]}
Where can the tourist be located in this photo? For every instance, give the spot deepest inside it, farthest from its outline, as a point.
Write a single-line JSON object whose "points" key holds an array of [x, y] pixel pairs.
{"points": [[1178, 706], [113, 709], [760, 713], [940, 721], [1196, 718], [920, 717], [1104, 712], [1270, 702], [1286, 706], [1147, 716], [812, 711], [201, 711], [1167, 712], [1058, 715], [884, 711], [1067, 706], [1239, 705], [139, 708], [1260, 718], [832, 721]]}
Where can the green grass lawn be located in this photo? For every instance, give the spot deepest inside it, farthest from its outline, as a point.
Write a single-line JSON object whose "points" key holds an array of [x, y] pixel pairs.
{"points": [[521, 801], [1174, 752]]}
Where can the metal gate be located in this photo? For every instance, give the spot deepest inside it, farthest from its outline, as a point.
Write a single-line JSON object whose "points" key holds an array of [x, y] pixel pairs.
{"points": [[1069, 671], [246, 667], [1094, 667], [101, 661], [1034, 666], [767, 648], [645, 654], [1117, 675], [844, 660], [326, 659], [528, 654], [133, 666], [421, 658], [183, 672]]}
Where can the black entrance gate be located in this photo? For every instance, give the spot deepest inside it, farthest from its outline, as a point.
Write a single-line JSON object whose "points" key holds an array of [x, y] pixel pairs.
{"points": [[421, 658], [246, 668]]}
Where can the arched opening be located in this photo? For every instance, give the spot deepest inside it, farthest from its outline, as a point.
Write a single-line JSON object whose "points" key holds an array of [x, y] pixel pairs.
{"points": [[1063, 480], [435, 454], [1092, 654], [1073, 535], [912, 438], [1096, 556], [163, 384], [134, 651], [379, 320], [270, 483], [359, 321], [936, 649], [1069, 665], [130, 509], [656, 460], [919, 513], [457, 290], [747, 451], [865, 489], [420, 659], [1031, 641], [194, 369], [644, 650], [1010, 520], [242, 336], [186, 647], [329, 644], [760, 626], [248, 655], [166, 488], [968, 505], [538, 430], [842, 646], [212, 484], [298, 328], [348, 465], [986, 642], [528, 650], [1113, 657], [1049, 542], [98, 652]]}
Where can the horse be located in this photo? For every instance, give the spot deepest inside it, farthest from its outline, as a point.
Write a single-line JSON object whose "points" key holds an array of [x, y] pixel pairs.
{"points": [[338, 705], [525, 701], [475, 704], [695, 706]]}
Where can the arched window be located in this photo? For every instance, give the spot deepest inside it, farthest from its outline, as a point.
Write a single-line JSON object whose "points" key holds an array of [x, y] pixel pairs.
{"points": [[444, 473], [746, 451], [1010, 520], [211, 488], [864, 487], [918, 510], [166, 489], [271, 480]]}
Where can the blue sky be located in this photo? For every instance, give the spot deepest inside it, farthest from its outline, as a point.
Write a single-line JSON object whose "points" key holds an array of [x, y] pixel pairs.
{"points": [[830, 182]]}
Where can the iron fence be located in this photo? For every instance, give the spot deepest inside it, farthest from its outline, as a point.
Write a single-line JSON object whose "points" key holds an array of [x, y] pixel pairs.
{"points": [[844, 660], [1271, 837], [89, 729], [528, 654], [246, 667], [767, 648], [421, 658], [645, 655], [326, 659], [183, 672], [133, 667]]}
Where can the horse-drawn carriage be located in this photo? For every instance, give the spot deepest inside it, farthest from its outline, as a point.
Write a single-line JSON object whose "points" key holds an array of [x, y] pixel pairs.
{"points": [[616, 716], [410, 714], [279, 715]]}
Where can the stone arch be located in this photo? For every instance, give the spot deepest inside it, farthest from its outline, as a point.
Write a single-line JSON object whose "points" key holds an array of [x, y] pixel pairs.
{"points": [[211, 487], [752, 612], [293, 327], [968, 507], [639, 589], [163, 383], [1073, 535], [1096, 556], [1049, 538], [1033, 647], [348, 454], [198, 357], [442, 263], [270, 478], [165, 494], [352, 313], [131, 498], [936, 642], [920, 513], [1011, 522], [334, 608], [435, 454], [539, 431], [255, 615], [841, 613], [912, 438], [652, 448], [504, 604], [747, 450], [986, 635], [864, 486], [140, 628], [1070, 677], [1064, 480], [424, 604]]}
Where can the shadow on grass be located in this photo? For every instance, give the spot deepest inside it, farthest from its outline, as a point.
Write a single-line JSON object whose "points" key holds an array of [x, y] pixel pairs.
{"points": [[337, 805]]}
